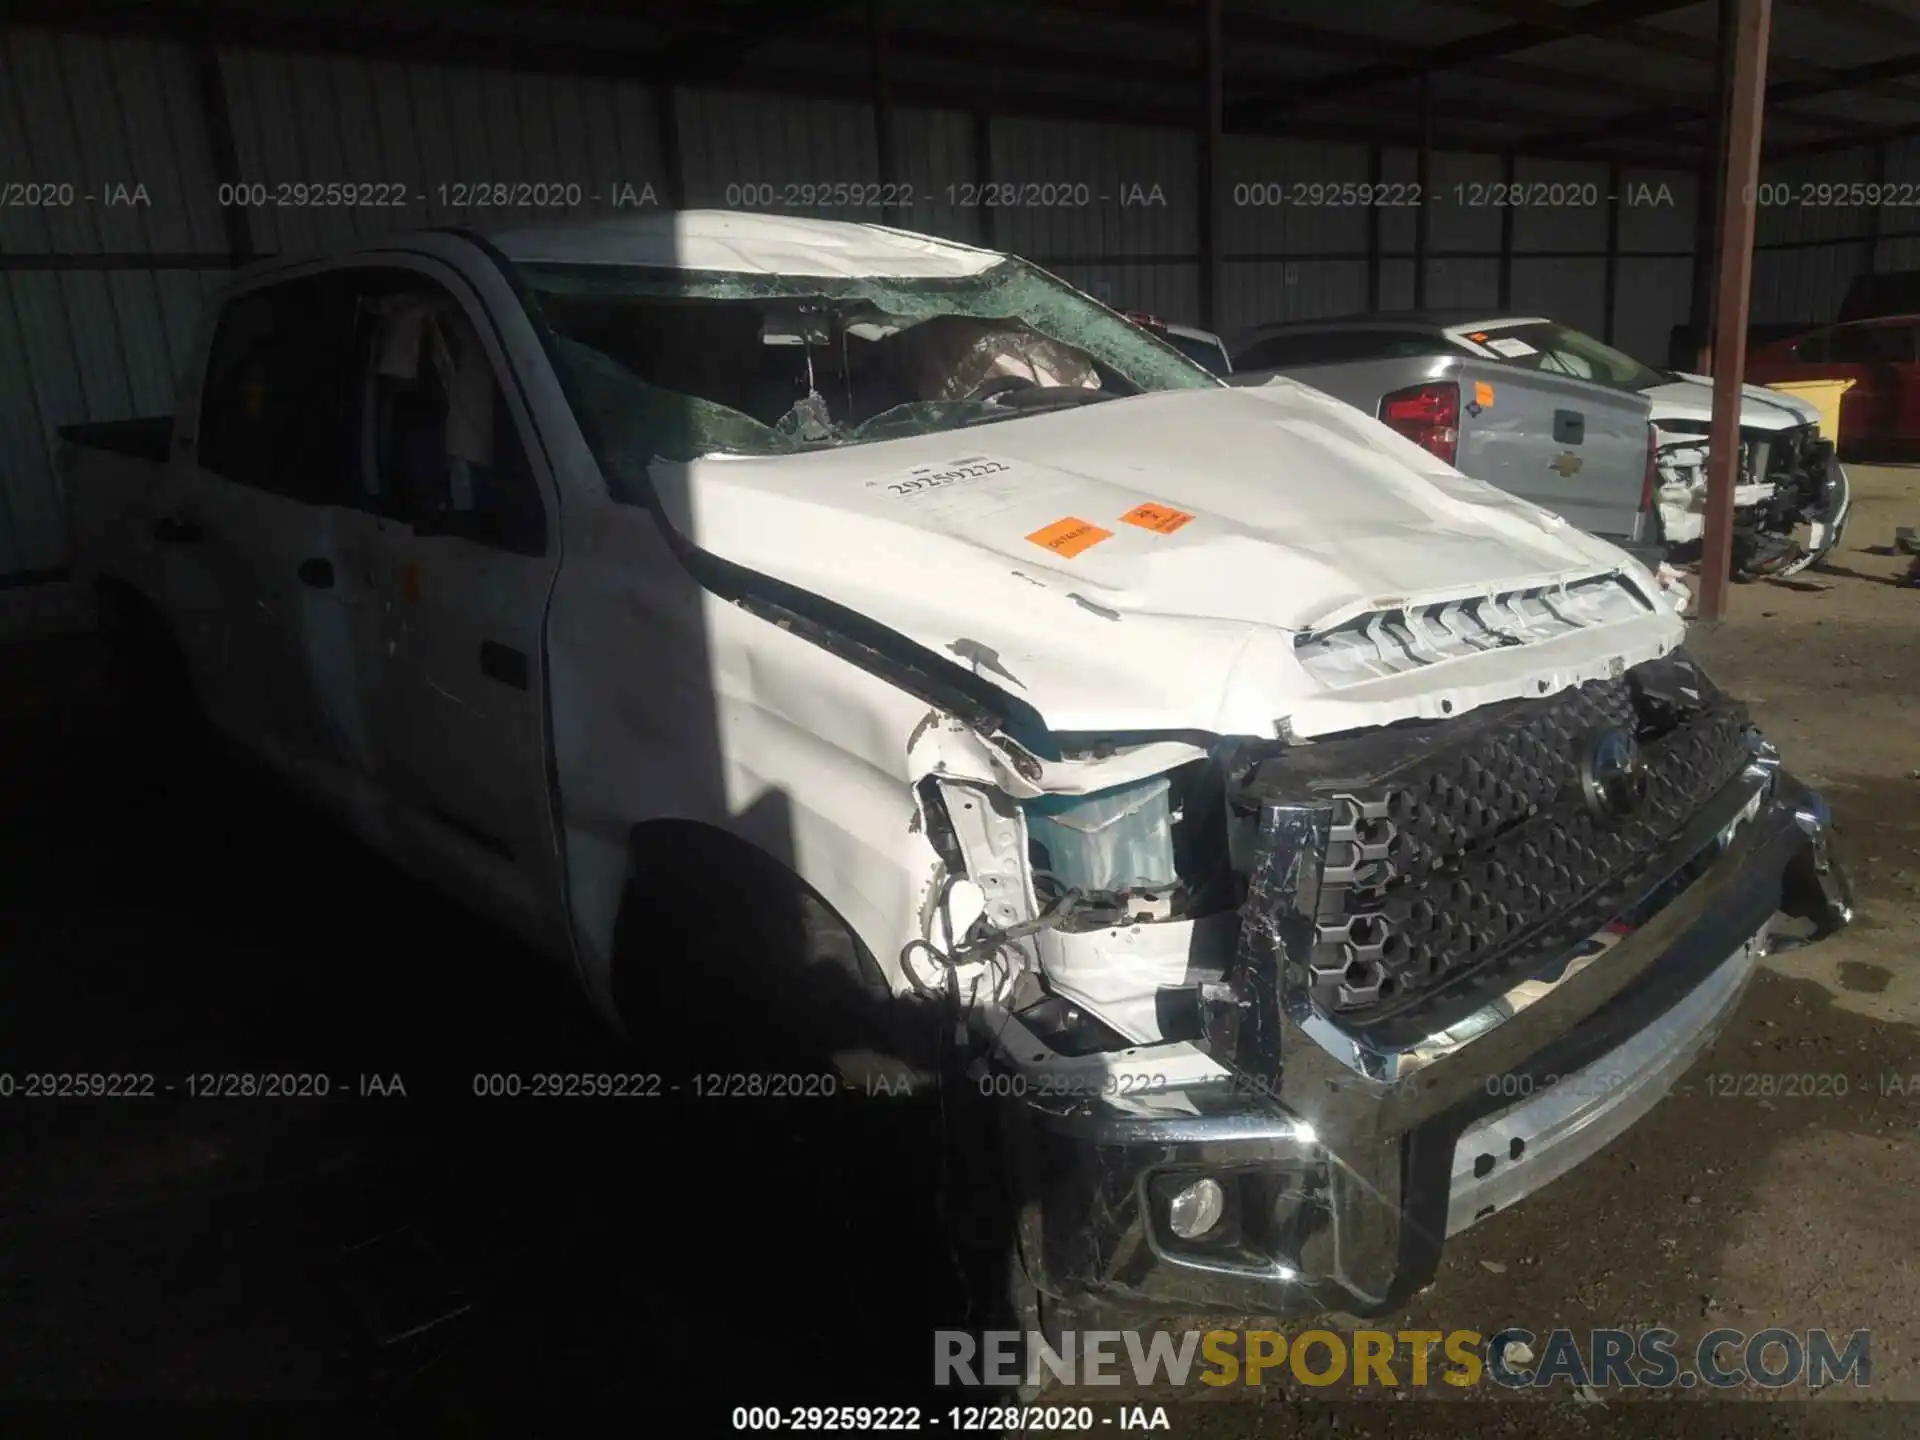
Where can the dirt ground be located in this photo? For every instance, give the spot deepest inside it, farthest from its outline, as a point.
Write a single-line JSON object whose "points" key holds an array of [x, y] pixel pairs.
{"points": [[1779, 1184], [369, 1246]]}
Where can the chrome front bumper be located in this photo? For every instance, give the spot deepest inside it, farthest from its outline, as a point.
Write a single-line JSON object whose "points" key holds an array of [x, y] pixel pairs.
{"points": [[1564, 1119], [1346, 1176]]}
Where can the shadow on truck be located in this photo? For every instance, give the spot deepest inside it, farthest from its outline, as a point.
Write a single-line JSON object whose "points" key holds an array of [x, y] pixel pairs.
{"points": [[405, 1236]]}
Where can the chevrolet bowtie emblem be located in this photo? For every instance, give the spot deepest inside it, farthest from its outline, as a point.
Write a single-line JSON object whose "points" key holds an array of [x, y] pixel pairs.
{"points": [[1567, 465]]}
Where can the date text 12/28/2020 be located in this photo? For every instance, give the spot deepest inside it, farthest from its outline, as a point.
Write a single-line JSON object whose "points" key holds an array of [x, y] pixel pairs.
{"points": [[968, 195], [960, 1419], [1473, 195], [199, 1085]]}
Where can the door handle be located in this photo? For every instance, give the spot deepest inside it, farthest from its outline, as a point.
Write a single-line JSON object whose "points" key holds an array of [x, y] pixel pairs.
{"points": [[175, 530], [317, 572], [1569, 427]]}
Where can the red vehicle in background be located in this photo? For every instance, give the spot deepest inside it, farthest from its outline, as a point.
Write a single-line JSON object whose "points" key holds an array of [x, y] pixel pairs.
{"points": [[1881, 413]]}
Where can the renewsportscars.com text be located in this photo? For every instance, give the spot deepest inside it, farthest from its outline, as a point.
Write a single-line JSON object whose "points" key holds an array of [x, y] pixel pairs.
{"points": [[1514, 1358]]}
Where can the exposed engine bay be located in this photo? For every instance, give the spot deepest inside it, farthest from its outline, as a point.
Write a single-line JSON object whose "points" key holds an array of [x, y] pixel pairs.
{"points": [[1438, 855], [1790, 503]]}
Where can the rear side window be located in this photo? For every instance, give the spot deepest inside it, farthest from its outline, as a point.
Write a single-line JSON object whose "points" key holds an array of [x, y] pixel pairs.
{"points": [[279, 375], [1335, 347], [442, 450]]}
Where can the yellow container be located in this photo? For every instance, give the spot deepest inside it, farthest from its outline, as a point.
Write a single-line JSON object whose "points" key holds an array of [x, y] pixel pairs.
{"points": [[1824, 395]]}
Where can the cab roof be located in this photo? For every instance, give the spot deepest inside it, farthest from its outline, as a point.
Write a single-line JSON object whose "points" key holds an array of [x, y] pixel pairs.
{"points": [[745, 243]]}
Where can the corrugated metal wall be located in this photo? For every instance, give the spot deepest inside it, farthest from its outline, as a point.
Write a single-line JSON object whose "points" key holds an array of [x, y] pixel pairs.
{"points": [[1899, 247], [1270, 188], [764, 152], [1081, 199], [1111, 208], [431, 135], [104, 132], [934, 157], [1808, 260]]}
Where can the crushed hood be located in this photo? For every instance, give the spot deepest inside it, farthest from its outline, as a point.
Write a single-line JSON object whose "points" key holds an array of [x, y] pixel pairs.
{"points": [[1139, 563], [1690, 398]]}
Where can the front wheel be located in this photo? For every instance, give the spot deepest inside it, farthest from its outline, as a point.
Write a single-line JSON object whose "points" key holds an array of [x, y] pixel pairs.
{"points": [[1824, 533], [723, 958], [156, 710]]}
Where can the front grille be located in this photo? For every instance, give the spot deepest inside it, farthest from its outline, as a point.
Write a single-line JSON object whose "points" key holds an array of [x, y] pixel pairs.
{"points": [[1465, 857], [1392, 642]]}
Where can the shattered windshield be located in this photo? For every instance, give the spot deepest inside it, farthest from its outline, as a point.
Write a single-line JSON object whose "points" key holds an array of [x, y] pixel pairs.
{"points": [[676, 364]]}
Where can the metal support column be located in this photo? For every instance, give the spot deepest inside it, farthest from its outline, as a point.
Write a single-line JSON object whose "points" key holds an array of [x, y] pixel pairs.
{"points": [[1711, 186], [882, 76], [666, 120], [1376, 168], [983, 177], [1871, 240], [1613, 250], [218, 120], [1212, 111], [1508, 166], [1732, 282], [1423, 191]]}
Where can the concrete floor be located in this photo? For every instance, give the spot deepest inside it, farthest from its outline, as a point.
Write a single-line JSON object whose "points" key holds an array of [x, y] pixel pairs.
{"points": [[441, 1248]]}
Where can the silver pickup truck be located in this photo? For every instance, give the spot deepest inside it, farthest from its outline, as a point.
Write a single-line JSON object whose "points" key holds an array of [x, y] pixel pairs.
{"points": [[1580, 449], [1792, 499]]}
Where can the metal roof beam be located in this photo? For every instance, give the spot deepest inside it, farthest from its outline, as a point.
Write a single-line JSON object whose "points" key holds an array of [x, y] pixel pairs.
{"points": [[1589, 19], [1663, 41], [709, 52], [1641, 122], [1057, 60], [424, 38], [1298, 35], [1881, 136]]}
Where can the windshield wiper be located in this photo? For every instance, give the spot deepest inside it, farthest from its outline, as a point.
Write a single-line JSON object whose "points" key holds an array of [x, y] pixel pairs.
{"points": [[1040, 398]]}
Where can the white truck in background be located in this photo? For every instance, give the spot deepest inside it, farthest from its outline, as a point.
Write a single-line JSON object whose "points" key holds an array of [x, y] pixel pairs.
{"points": [[776, 618]]}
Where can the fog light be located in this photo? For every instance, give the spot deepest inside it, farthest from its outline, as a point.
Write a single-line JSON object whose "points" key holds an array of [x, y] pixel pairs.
{"points": [[1197, 1209]]}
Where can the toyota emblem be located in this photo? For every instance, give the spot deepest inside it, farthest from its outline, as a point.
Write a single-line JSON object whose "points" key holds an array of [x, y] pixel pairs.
{"points": [[1613, 775]]}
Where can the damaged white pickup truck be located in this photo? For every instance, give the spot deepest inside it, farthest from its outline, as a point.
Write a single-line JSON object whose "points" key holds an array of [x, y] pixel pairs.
{"points": [[1328, 849]]}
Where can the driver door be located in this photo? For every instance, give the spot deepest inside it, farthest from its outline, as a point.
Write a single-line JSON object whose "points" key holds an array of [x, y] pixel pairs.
{"points": [[463, 561]]}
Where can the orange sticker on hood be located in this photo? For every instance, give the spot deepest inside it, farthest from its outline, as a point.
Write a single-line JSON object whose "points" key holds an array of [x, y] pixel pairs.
{"points": [[1482, 394], [1069, 537], [1161, 519]]}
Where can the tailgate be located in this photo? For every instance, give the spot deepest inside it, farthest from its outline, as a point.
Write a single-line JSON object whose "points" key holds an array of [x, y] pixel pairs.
{"points": [[1570, 446]]}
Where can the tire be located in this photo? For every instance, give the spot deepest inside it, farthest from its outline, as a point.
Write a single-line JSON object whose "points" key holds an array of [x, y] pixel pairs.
{"points": [[1027, 1308], [157, 712], [1036, 1313], [1834, 530], [726, 965], [1829, 536], [719, 948]]}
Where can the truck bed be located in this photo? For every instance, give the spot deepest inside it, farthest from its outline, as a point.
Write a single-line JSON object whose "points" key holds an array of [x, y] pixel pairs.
{"points": [[147, 438], [111, 472], [1570, 446]]}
